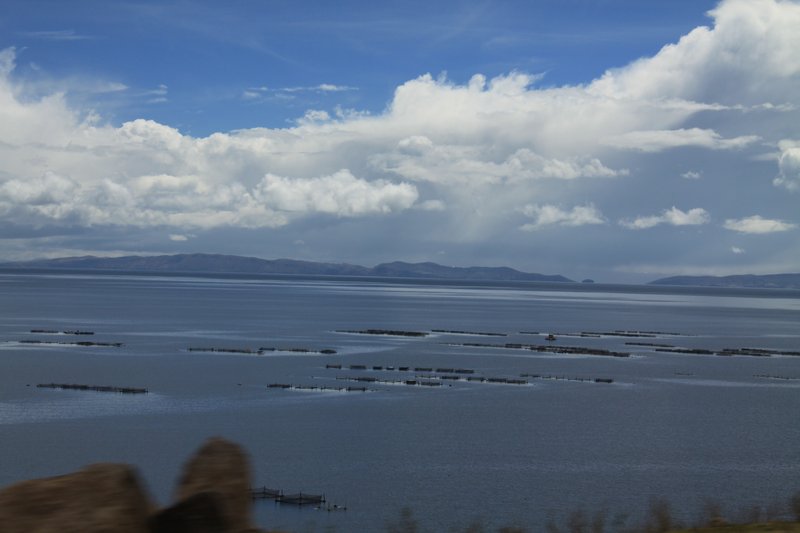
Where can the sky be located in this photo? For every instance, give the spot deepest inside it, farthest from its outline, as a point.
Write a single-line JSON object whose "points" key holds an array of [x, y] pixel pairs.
{"points": [[617, 140]]}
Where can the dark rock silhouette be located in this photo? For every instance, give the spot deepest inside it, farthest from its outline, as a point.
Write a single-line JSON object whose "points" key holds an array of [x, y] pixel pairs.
{"points": [[221, 468], [201, 513], [213, 496], [101, 498]]}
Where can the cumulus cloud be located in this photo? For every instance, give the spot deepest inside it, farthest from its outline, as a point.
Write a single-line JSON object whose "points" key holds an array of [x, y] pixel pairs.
{"points": [[736, 250], [471, 151], [672, 217], [659, 140], [548, 215], [339, 194], [418, 158], [789, 165], [757, 225], [751, 44]]}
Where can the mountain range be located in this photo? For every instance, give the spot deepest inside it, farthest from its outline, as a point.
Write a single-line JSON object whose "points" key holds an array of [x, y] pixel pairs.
{"points": [[767, 281], [234, 264], [208, 263]]}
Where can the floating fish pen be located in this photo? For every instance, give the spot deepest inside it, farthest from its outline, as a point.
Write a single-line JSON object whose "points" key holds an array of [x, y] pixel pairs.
{"points": [[730, 352], [261, 350], [67, 332], [316, 388], [565, 378], [651, 344], [94, 388], [690, 351], [264, 493], [78, 343], [568, 350], [301, 499], [389, 332], [756, 352], [769, 376], [247, 351], [460, 332]]}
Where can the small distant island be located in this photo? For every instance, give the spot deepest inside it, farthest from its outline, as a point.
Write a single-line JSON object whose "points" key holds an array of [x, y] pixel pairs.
{"points": [[767, 281], [234, 264]]}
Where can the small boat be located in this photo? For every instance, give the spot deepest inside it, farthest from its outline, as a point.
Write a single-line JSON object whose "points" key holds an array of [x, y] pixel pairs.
{"points": [[550, 337]]}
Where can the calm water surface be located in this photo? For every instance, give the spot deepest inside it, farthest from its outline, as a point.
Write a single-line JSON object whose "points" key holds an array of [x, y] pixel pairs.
{"points": [[678, 426]]}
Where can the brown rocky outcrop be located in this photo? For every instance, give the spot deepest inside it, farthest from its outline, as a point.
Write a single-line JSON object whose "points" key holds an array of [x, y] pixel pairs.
{"points": [[101, 498], [220, 469], [213, 496]]}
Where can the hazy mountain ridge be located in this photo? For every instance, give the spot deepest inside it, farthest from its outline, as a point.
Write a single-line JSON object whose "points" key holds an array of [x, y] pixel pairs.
{"points": [[252, 265], [766, 281]]}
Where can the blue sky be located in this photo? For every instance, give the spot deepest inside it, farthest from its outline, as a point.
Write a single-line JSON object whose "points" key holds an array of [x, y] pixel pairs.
{"points": [[619, 140]]}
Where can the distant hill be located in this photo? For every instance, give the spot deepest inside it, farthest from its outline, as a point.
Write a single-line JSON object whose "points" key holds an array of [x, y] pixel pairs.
{"points": [[214, 263], [769, 281]]}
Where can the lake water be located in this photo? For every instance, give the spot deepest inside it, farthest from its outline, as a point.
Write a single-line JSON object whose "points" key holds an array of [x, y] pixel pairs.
{"points": [[672, 425]]}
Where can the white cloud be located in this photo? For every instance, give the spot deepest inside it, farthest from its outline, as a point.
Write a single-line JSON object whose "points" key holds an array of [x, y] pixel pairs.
{"points": [[752, 45], [480, 148], [418, 158], [789, 165], [659, 140], [757, 225], [548, 215], [339, 194], [672, 217], [432, 205], [332, 88], [692, 175], [736, 250], [178, 238], [56, 35]]}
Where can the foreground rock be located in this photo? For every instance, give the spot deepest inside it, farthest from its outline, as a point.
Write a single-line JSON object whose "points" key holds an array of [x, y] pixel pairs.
{"points": [[213, 496], [101, 498], [220, 470]]}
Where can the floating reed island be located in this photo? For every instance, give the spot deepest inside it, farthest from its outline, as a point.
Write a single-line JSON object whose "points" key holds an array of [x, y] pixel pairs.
{"points": [[93, 388]]}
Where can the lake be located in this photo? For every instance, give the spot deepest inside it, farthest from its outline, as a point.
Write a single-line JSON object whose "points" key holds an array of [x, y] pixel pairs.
{"points": [[476, 417]]}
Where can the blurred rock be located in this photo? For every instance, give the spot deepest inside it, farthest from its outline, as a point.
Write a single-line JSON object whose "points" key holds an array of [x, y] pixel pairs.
{"points": [[220, 470], [200, 513], [101, 498]]}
